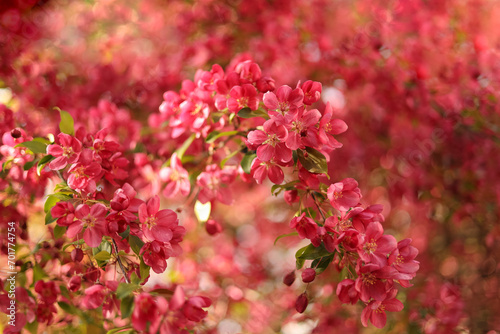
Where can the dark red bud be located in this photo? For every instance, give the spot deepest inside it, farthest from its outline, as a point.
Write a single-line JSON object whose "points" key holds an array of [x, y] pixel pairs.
{"points": [[289, 278], [213, 227], [16, 133], [308, 275], [301, 303], [77, 255]]}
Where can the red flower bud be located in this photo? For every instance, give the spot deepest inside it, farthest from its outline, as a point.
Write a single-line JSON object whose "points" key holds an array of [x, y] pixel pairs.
{"points": [[301, 303], [16, 133], [289, 278], [308, 275], [77, 255], [213, 227]]}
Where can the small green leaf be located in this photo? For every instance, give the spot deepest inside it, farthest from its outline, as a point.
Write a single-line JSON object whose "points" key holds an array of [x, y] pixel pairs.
{"points": [[286, 186], [246, 162], [59, 231], [321, 264], [126, 306], [125, 233], [311, 253], [46, 159], [202, 211], [249, 113], [32, 327], [299, 263], [144, 270], [314, 161], [67, 124], [102, 256], [134, 279], [285, 235], [38, 273], [34, 146], [50, 202], [66, 307], [29, 164], [213, 136], [117, 330], [181, 150], [226, 159], [135, 243], [125, 289], [245, 113]]}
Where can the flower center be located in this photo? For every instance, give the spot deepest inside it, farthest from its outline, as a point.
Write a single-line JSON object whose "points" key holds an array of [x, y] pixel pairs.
{"points": [[150, 222], [272, 140], [67, 151], [337, 194], [89, 221], [369, 279], [371, 246]]}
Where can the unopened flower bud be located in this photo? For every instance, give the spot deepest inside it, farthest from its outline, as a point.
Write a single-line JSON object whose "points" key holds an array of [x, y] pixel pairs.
{"points": [[213, 227], [77, 255], [301, 303], [308, 275], [289, 278], [16, 133]]}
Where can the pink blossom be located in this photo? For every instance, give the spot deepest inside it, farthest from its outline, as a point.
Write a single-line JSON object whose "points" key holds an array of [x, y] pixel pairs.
{"points": [[376, 246], [283, 105], [305, 226], [375, 310], [157, 224], [344, 194], [271, 142], [244, 96], [67, 152], [92, 220], [261, 170], [176, 178], [212, 183], [312, 91]]}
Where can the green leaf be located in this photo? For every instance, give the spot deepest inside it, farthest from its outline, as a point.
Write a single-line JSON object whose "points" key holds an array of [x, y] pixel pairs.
{"points": [[134, 279], [286, 186], [104, 246], [32, 327], [144, 270], [246, 162], [29, 164], [66, 307], [213, 136], [314, 161], [321, 264], [34, 146], [50, 202], [46, 159], [125, 233], [202, 211], [59, 231], [181, 150], [125, 289], [226, 159], [284, 235], [67, 124], [126, 306], [42, 140], [117, 330], [38, 273], [135, 243], [249, 113], [102, 256], [299, 263], [311, 253], [245, 113]]}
